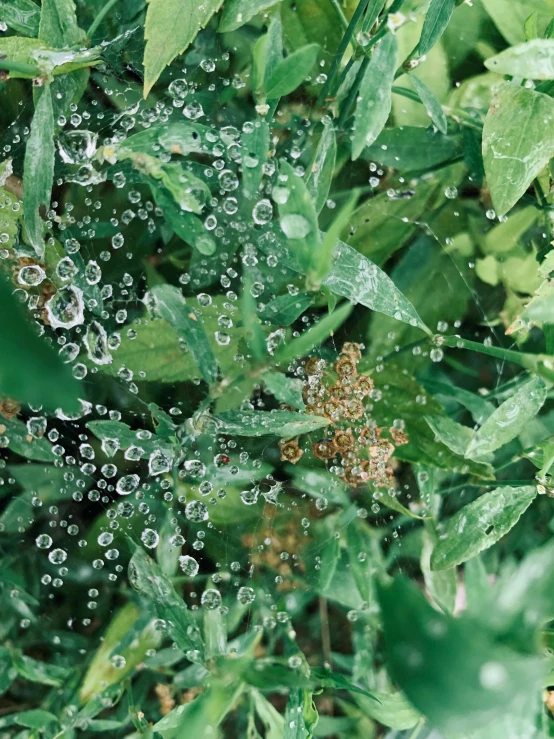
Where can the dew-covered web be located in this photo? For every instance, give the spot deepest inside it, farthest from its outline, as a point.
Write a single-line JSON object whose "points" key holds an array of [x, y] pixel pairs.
{"points": [[152, 218]]}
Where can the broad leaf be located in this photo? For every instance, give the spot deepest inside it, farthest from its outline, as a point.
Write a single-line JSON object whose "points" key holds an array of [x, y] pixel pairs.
{"points": [[509, 419], [166, 38], [149, 580], [189, 327], [58, 24], [479, 525], [291, 72], [30, 369], [21, 15], [285, 309], [532, 60], [518, 142], [374, 102], [238, 12], [449, 669]]}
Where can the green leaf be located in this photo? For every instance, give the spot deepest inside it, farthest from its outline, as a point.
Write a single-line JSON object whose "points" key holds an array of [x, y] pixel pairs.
{"points": [[303, 344], [201, 716], [166, 39], [320, 172], [156, 351], [518, 142], [430, 103], [285, 309], [30, 370], [298, 219], [374, 101], [328, 564], [255, 148], [36, 719], [291, 72], [131, 633], [450, 669], [285, 424], [434, 25], [286, 389], [150, 581], [510, 16], [300, 715], [58, 24], [38, 169], [509, 419], [389, 709], [267, 53], [272, 720], [238, 12], [442, 584], [21, 15], [532, 60], [22, 443], [359, 555], [126, 437], [454, 435], [359, 280], [40, 672], [189, 327], [413, 148], [479, 525]]}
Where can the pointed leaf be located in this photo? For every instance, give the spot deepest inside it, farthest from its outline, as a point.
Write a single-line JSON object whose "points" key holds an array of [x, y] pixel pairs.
{"points": [[435, 23], [291, 72], [533, 60], [285, 424], [38, 169], [430, 103], [509, 419], [189, 326], [375, 96], [170, 27], [518, 142], [479, 525]]}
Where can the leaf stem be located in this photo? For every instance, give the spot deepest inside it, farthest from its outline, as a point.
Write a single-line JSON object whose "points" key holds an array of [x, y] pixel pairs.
{"points": [[21, 67], [362, 5], [529, 361], [100, 17], [339, 11]]}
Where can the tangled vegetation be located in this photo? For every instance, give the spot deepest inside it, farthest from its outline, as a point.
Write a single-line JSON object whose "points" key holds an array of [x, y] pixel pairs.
{"points": [[277, 357]]}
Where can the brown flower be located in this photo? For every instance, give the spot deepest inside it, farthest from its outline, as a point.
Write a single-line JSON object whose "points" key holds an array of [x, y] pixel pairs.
{"points": [[338, 392], [343, 440], [9, 408], [352, 350], [398, 436], [332, 409], [345, 367], [353, 408], [290, 451], [314, 366], [324, 449], [363, 385]]}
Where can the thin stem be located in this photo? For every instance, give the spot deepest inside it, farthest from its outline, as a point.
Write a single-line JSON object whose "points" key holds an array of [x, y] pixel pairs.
{"points": [[325, 632], [417, 729], [362, 5], [100, 17], [339, 11], [21, 67], [529, 361]]}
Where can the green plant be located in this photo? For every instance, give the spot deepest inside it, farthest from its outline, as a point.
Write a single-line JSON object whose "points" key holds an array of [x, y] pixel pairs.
{"points": [[276, 370]]}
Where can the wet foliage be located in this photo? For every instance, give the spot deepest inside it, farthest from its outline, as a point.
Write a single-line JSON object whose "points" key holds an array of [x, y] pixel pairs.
{"points": [[277, 357]]}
